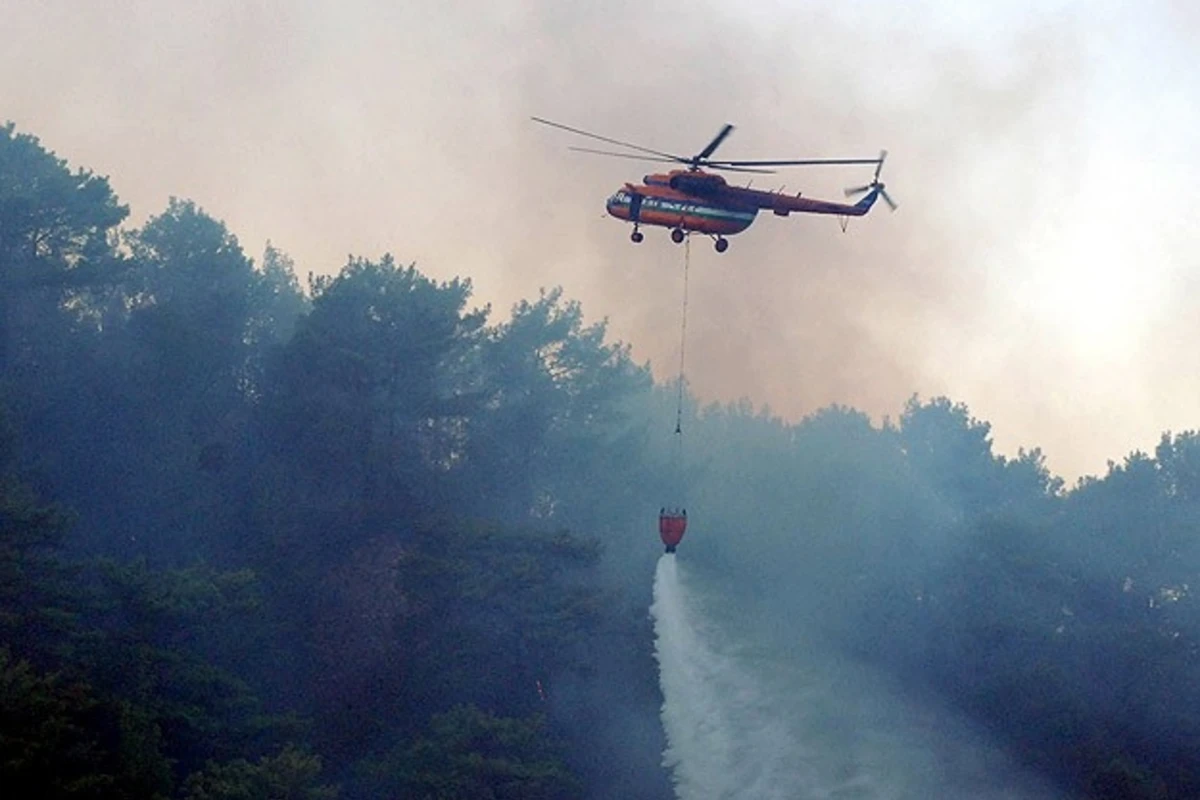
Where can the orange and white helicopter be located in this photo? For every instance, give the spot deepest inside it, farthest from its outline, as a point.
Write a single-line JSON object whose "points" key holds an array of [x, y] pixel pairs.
{"points": [[692, 200]]}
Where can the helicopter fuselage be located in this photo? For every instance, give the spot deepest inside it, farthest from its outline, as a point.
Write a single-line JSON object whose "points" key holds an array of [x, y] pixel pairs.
{"points": [[701, 202], [707, 211]]}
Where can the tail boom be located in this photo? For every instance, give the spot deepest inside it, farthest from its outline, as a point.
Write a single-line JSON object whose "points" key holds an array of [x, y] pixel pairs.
{"points": [[782, 204]]}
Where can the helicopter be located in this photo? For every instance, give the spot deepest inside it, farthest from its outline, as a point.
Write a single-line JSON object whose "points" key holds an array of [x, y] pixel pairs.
{"points": [[695, 200]]}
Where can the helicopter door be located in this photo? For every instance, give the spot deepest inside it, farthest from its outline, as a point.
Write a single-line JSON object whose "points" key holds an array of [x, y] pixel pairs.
{"points": [[635, 207]]}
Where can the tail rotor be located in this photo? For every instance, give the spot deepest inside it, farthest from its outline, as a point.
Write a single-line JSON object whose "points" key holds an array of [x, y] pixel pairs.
{"points": [[875, 185]]}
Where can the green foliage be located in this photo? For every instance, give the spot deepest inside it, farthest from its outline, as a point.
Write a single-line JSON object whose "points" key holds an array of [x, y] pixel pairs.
{"points": [[55, 230], [58, 739], [146, 701], [1064, 621], [194, 408], [159, 603], [469, 754], [555, 428], [153, 627], [292, 774], [1048, 596], [44, 740], [494, 611], [141, 697], [36, 592], [54, 223], [951, 450], [283, 303], [376, 382], [192, 299]]}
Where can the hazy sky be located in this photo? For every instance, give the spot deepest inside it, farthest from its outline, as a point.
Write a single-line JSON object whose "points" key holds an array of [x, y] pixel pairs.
{"points": [[1041, 266]]}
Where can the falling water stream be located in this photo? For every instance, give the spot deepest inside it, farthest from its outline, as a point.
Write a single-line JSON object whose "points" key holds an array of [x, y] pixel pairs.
{"points": [[755, 711]]}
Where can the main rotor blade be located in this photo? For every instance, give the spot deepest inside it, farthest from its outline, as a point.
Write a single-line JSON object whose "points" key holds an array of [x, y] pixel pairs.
{"points": [[633, 156], [658, 153], [636, 157], [708, 165], [715, 143], [801, 163]]}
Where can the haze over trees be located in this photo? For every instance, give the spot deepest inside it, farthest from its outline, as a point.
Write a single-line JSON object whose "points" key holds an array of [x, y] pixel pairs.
{"points": [[363, 538]]}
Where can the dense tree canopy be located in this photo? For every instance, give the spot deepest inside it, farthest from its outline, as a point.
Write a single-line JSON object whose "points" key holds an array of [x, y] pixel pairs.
{"points": [[366, 540], [56, 230]]}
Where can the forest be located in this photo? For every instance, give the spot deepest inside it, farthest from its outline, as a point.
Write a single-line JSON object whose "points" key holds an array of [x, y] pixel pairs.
{"points": [[359, 537]]}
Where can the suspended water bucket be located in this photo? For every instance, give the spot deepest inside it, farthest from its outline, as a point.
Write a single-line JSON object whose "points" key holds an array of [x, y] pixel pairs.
{"points": [[672, 524]]}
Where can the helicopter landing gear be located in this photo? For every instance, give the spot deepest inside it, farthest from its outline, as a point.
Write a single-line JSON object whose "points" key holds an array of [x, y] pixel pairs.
{"points": [[677, 235], [636, 237], [722, 244]]}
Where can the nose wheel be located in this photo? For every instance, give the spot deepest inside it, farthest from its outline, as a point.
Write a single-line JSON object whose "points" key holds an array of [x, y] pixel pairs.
{"points": [[721, 245]]}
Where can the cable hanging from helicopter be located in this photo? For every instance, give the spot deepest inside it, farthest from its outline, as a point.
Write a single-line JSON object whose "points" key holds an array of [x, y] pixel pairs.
{"points": [[689, 199], [672, 522]]}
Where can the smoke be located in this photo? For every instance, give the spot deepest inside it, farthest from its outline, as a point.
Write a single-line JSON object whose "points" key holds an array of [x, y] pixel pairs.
{"points": [[1014, 277]]}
